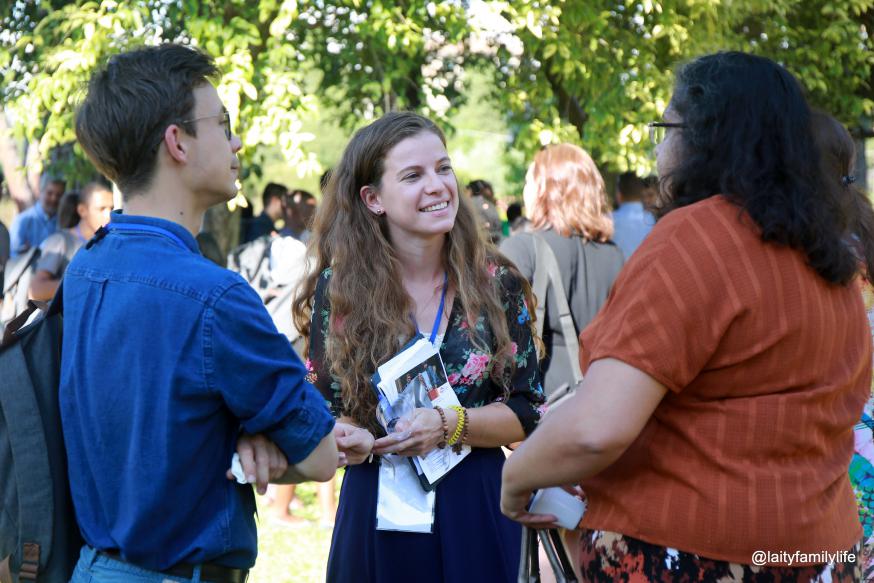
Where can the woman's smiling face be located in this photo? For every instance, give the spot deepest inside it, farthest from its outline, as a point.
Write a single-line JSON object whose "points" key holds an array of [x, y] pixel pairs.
{"points": [[418, 191]]}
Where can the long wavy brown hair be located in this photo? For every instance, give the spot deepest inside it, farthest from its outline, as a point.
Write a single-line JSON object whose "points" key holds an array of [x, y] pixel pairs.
{"points": [[367, 295], [569, 194]]}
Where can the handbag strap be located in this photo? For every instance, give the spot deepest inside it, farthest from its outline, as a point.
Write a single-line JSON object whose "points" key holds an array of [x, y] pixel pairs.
{"points": [[546, 275]]}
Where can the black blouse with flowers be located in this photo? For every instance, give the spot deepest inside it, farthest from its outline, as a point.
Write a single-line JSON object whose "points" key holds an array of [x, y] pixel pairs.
{"points": [[467, 367]]}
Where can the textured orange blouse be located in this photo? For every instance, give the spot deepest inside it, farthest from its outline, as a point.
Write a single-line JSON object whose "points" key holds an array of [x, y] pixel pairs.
{"points": [[768, 367]]}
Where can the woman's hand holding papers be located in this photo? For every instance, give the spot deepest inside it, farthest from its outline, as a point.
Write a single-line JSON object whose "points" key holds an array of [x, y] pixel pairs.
{"points": [[416, 435]]}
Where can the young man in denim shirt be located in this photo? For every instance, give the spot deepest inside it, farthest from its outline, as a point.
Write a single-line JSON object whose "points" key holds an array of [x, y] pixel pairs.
{"points": [[171, 363]]}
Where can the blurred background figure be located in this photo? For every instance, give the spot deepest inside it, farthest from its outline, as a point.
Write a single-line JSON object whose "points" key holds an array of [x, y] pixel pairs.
{"points": [[631, 221], [68, 210], [298, 209], [32, 226], [483, 198], [79, 215], [4, 249], [515, 218], [287, 266], [265, 223], [566, 204], [838, 155]]}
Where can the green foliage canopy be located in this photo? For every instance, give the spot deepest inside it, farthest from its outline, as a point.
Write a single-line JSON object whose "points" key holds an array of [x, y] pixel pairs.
{"points": [[596, 72], [591, 72]]}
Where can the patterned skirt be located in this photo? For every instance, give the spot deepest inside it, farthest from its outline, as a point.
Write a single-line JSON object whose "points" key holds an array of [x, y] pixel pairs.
{"points": [[608, 556]]}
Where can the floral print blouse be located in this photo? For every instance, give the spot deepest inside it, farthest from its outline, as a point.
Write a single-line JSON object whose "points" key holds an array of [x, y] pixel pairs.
{"points": [[467, 367]]}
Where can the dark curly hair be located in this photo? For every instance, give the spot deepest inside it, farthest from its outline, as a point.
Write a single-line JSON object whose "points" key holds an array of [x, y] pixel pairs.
{"points": [[747, 135]]}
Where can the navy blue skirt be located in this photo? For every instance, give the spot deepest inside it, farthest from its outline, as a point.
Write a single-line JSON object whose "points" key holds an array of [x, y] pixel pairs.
{"points": [[472, 540]]}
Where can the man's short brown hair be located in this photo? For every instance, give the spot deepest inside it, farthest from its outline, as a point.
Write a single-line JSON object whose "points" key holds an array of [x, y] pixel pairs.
{"points": [[131, 102]]}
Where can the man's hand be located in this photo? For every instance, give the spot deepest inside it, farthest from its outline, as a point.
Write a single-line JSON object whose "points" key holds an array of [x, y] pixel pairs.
{"points": [[262, 461], [354, 443]]}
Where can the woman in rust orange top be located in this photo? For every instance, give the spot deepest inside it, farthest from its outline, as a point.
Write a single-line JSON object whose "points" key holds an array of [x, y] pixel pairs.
{"points": [[714, 428]]}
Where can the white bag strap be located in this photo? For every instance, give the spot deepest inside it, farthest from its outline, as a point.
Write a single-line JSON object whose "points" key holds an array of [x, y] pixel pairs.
{"points": [[547, 274]]}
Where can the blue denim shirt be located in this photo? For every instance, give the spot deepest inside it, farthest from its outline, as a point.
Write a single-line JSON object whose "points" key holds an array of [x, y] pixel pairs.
{"points": [[166, 357], [30, 228]]}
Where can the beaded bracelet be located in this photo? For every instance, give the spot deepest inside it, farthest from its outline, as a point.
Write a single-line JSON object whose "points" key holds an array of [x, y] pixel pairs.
{"points": [[445, 423], [456, 447], [459, 425]]}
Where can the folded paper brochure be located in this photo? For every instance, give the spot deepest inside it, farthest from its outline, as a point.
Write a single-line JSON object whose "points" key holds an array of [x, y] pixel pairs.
{"points": [[415, 378]]}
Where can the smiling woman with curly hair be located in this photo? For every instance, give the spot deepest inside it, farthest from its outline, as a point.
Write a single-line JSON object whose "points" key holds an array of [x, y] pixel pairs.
{"points": [[392, 243]]}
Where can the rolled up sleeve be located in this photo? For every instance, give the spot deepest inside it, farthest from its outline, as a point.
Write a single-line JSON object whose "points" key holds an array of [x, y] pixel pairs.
{"points": [[526, 393], [259, 376]]}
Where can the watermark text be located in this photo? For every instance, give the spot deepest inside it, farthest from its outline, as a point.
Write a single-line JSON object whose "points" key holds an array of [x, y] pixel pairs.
{"points": [[798, 558]]}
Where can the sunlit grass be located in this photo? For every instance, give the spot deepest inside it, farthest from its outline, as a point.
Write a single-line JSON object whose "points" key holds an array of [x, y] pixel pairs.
{"points": [[296, 554]]}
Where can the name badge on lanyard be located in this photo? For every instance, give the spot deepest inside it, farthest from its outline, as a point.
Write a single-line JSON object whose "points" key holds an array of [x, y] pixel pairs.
{"points": [[402, 503]]}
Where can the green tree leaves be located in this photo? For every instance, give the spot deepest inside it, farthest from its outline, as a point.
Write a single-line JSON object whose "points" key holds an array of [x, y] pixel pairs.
{"points": [[591, 72]]}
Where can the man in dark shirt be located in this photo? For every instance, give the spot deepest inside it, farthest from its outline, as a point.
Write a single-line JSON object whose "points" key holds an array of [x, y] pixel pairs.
{"points": [[168, 359], [264, 224]]}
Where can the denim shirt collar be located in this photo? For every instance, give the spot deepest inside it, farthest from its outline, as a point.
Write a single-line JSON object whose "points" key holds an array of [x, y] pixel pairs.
{"points": [[175, 228]]}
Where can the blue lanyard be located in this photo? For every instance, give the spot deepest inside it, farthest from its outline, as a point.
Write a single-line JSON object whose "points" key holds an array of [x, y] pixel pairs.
{"points": [[439, 317], [147, 229]]}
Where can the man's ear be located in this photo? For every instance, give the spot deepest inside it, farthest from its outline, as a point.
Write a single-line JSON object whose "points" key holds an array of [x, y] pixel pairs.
{"points": [[370, 197], [175, 143]]}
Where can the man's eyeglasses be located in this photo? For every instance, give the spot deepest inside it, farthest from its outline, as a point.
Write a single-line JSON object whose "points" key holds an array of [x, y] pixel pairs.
{"points": [[658, 129], [226, 122]]}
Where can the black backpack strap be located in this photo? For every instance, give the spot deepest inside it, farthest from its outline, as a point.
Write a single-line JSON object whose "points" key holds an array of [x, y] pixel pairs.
{"points": [[22, 415], [57, 304], [55, 307]]}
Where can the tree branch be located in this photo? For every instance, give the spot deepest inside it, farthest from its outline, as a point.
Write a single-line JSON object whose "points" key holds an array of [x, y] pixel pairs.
{"points": [[569, 106], [13, 169]]}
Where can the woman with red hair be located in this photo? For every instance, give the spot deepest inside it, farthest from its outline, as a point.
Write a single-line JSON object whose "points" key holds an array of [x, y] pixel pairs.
{"points": [[567, 206]]}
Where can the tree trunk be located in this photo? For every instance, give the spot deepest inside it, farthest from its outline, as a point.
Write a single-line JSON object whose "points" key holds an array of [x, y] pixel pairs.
{"points": [[224, 225], [13, 169], [33, 167]]}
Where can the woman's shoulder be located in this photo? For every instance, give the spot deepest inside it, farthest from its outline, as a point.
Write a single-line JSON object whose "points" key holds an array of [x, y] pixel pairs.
{"points": [[604, 253], [713, 222], [518, 243], [710, 211]]}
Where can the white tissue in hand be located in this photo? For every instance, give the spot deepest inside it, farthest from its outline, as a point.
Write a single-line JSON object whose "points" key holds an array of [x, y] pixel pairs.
{"points": [[237, 469]]}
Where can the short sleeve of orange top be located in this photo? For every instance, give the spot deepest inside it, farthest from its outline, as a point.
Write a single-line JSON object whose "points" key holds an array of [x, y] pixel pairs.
{"points": [[767, 366]]}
